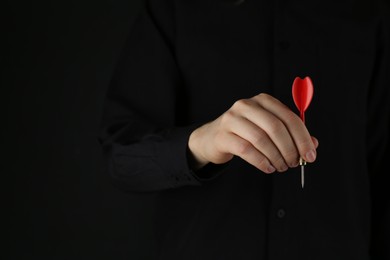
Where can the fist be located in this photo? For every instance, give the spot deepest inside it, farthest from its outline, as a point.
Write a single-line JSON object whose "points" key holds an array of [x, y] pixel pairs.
{"points": [[261, 130]]}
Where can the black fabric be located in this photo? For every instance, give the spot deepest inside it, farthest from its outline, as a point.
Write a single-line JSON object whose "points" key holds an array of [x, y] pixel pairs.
{"points": [[186, 62]]}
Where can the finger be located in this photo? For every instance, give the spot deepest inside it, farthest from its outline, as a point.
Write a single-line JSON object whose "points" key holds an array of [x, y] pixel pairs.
{"points": [[244, 149], [315, 142], [275, 129], [297, 129], [250, 132]]}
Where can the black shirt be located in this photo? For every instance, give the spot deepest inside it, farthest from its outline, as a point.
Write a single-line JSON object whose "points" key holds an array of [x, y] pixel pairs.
{"points": [[186, 62]]}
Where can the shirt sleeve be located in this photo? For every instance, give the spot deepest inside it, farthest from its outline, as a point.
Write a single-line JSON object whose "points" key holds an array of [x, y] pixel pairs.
{"points": [[144, 130], [378, 130]]}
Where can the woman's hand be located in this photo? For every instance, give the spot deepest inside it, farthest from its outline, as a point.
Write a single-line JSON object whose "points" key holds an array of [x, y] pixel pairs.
{"points": [[261, 130]]}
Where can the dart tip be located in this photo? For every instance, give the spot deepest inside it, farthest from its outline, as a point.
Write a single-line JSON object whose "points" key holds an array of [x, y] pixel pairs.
{"points": [[302, 163]]}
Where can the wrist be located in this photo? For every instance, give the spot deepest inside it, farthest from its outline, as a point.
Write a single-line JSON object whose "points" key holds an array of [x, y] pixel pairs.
{"points": [[195, 158]]}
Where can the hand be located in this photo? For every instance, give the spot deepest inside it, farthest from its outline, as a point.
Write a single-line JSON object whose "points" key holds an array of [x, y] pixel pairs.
{"points": [[261, 130]]}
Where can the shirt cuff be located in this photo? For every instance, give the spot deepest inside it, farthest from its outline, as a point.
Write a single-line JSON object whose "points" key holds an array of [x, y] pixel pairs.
{"points": [[182, 174]]}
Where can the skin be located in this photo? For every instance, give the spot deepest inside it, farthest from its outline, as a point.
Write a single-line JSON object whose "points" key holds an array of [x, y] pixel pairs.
{"points": [[261, 130]]}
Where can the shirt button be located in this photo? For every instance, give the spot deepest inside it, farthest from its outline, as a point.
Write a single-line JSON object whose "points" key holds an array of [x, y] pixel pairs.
{"points": [[284, 45], [281, 213]]}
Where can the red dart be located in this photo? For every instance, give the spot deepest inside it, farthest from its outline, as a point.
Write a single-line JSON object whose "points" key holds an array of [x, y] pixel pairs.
{"points": [[302, 91]]}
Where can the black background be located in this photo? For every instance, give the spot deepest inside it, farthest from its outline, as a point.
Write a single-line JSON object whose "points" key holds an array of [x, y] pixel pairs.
{"points": [[59, 58]]}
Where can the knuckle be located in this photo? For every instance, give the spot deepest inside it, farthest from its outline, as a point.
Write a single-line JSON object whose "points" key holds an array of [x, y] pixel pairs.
{"points": [[227, 117], [292, 118], [279, 162], [275, 126], [291, 156], [241, 104], [277, 159], [260, 140], [263, 96], [242, 148], [307, 143]]}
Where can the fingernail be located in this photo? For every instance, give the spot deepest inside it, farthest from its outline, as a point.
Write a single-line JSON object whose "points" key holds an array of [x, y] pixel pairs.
{"points": [[311, 156], [283, 168], [271, 169], [293, 165]]}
